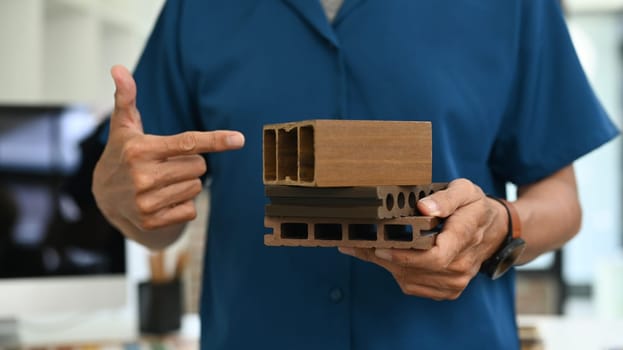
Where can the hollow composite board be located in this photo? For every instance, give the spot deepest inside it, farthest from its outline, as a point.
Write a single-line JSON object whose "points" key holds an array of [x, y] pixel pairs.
{"points": [[337, 153], [412, 232], [378, 202]]}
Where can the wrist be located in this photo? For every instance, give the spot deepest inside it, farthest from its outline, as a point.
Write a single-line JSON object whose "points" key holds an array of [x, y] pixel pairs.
{"points": [[498, 230], [511, 246]]}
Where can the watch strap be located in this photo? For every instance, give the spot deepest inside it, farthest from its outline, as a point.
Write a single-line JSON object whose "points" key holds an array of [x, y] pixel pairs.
{"points": [[514, 223], [510, 249]]}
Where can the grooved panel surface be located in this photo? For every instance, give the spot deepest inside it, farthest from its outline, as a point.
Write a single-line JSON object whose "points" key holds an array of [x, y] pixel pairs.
{"points": [[411, 232], [334, 153], [380, 202]]}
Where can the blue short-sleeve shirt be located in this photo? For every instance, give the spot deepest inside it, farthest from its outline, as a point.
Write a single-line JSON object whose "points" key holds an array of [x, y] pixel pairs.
{"points": [[499, 80]]}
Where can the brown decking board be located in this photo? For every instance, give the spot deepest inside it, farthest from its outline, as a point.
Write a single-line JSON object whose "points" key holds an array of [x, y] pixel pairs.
{"points": [[411, 232], [380, 202], [334, 153]]}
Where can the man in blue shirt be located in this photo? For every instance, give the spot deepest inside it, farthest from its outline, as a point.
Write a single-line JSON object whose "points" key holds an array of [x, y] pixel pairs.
{"points": [[508, 101]]}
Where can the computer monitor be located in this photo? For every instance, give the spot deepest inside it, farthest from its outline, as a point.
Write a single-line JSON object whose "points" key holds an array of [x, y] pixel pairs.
{"points": [[58, 258]]}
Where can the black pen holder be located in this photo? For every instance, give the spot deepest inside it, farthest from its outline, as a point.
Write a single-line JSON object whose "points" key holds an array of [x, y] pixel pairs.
{"points": [[160, 307]]}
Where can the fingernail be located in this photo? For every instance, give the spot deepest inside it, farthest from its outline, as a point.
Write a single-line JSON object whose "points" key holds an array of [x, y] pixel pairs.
{"points": [[384, 254], [235, 140], [346, 250], [431, 206]]}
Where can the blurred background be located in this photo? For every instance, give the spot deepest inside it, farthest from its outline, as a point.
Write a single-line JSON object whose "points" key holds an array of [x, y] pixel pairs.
{"points": [[55, 88]]}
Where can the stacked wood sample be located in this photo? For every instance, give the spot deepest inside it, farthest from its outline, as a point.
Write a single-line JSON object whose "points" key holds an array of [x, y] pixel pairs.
{"points": [[348, 183], [403, 232], [346, 153], [380, 202]]}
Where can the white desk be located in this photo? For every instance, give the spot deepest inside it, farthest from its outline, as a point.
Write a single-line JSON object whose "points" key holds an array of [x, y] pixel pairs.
{"points": [[571, 333], [109, 329]]}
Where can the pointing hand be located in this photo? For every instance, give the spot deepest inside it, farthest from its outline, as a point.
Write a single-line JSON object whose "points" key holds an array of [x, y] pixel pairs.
{"points": [[143, 182]]}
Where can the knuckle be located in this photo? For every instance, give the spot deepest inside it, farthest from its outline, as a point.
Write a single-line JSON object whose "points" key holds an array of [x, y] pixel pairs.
{"points": [[192, 215], [463, 266], [464, 282], [131, 151], [453, 295], [148, 223], [458, 184], [200, 164], [459, 283], [462, 183], [189, 212], [141, 181], [479, 193], [187, 141], [196, 187], [408, 289], [400, 275], [413, 289], [144, 205], [440, 262]]}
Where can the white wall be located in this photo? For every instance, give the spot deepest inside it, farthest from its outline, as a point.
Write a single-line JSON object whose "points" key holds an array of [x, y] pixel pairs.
{"points": [[21, 47], [60, 51], [598, 39]]}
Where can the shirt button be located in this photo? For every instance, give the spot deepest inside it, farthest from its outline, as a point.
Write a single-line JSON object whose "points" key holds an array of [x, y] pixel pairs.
{"points": [[336, 295]]}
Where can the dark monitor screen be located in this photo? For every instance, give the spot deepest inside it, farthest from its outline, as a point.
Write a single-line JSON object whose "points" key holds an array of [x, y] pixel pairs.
{"points": [[49, 223]]}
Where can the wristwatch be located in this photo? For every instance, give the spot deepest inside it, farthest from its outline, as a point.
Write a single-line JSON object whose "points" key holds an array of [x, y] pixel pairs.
{"points": [[511, 248]]}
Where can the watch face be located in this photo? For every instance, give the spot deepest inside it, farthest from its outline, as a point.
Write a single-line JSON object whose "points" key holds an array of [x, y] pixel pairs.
{"points": [[508, 256]]}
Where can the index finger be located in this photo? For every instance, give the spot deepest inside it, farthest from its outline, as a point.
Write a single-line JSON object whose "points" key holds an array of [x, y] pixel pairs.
{"points": [[195, 142]]}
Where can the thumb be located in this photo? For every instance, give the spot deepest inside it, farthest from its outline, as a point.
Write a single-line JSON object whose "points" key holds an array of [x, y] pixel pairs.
{"points": [[126, 114], [460, 192]]}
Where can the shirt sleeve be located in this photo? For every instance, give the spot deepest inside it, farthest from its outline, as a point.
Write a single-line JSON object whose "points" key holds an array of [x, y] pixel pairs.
{"points": [[163, 97], [554, 116]]}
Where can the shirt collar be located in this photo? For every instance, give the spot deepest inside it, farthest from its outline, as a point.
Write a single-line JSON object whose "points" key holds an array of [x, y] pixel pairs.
{"points": [[311, 12]]}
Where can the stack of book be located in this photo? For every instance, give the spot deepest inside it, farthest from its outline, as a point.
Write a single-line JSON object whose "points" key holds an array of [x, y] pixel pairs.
{"points": [[348, 183]]}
